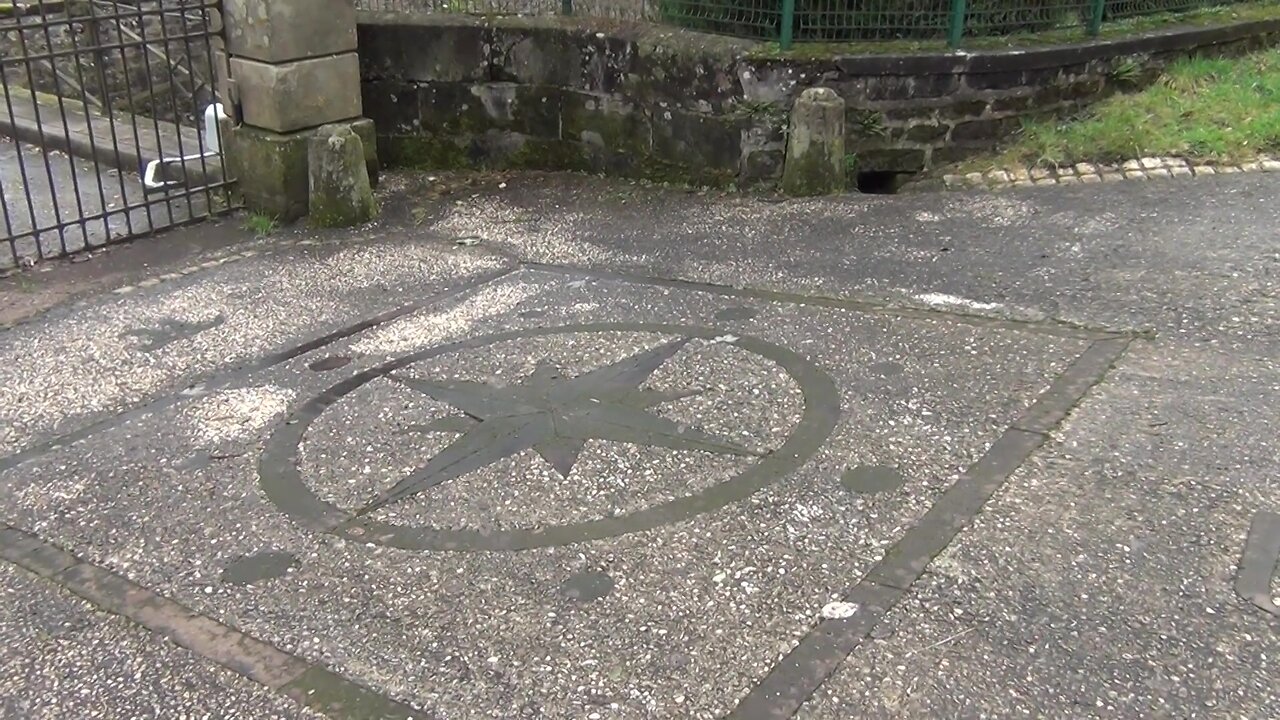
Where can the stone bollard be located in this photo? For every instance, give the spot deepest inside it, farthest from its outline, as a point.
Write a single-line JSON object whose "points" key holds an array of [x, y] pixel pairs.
{"points": [[338, 178], [815, 163]]}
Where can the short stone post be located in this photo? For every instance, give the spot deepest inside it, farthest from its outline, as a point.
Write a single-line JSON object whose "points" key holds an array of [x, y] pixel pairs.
{"points": [[293, 68], [815, 163], [340, 195]]}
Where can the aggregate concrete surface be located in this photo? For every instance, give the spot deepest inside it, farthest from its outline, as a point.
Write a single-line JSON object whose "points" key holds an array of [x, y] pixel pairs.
{"points": [[566, 448], [70, 659]]}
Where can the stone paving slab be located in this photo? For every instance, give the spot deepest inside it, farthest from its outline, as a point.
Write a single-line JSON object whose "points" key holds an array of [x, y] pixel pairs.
{"points": [[89, 360], [602, 494], [1101, 581], [80, 662]]}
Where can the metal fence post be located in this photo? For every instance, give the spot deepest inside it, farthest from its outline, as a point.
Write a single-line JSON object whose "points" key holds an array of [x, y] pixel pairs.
{"points": [[955, 30], [786, 37], [1095, 16]]}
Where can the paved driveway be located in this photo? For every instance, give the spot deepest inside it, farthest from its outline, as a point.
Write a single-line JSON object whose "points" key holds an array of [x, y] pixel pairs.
{"points": [[644, 454]]}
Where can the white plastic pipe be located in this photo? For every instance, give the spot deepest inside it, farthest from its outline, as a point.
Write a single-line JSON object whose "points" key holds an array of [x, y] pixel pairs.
{"points": [[213, 115]]}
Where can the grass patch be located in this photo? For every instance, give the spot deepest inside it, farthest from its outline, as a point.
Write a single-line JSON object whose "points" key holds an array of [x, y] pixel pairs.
{"points": [[1111, 30], [1213, 110], [261, 225]]}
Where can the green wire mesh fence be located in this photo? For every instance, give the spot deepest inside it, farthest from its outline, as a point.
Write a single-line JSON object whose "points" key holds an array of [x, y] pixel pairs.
{"points": [[791, 21]]}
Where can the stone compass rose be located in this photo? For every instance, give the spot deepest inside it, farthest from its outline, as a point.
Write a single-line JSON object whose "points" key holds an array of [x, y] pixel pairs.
{"points": [[552, 415]]}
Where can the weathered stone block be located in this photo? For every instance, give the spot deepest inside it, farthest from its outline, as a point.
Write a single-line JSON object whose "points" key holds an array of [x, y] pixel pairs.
{"points": [[340, 194], [1012, 103], [296, 95], [368, 134], [549, 154], [904, 114], [1084, 89], [963, 109], [925, 133], [706, 148], [697, 81], [549, 58], [537, 110], [270, 169], [935, 86], [605, 68], [989, 129], [763, 166], [902, 160], [890, 87], [425, 151], [531, 110], [279, 30], [426, 53], [567, 57], [815, 163], [393, 105], [607, 121], [1042, 76], [1003, 80], [449, 107], [477, 108]]}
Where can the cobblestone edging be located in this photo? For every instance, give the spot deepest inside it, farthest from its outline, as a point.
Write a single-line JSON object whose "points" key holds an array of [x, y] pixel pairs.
{"points": [[1149, 168]]}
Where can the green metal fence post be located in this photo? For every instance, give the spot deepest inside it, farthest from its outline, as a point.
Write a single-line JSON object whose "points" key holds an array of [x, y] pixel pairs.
{"points": [[788, 24], [1095, 17], [956, 30]]}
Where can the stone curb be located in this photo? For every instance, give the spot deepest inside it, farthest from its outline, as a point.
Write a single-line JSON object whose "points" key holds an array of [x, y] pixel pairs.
{"points": [[189, 270], [1148, 168]]}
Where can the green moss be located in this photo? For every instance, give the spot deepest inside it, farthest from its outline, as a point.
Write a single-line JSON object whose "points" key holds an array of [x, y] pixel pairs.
{"points": [[813, 174], [621, 128], [330, 218], [327, 217], [270, 170], [424, 152], [657, 170], [554, 155]]}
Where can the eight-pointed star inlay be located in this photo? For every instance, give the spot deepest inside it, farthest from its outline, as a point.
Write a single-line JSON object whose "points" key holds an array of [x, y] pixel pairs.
{"points": [[552, 415]]}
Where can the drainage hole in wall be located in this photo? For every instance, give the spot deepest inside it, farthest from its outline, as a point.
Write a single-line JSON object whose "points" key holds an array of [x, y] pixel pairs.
{"points": [[881, 182]]}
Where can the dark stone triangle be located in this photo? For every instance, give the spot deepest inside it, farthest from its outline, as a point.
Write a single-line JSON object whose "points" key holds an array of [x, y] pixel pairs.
{"points": [[561, 453]]}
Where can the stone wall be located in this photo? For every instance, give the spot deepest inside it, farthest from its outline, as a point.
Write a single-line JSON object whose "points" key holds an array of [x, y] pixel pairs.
{"points": [[652, 102], [540, 95]]}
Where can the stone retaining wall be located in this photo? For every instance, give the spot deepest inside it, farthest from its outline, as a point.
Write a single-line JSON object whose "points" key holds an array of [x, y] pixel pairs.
{"points": [[644, 101]]}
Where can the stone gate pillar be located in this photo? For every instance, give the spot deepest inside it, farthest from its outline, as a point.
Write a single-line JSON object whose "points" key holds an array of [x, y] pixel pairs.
{"points": [[293, 68]]}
